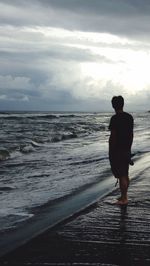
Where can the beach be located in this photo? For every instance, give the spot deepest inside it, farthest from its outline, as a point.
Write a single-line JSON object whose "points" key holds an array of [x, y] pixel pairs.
{"points": [[54, 166], [102, 234]]}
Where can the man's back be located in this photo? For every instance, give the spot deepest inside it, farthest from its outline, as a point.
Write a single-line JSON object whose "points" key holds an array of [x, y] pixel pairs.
{"points": [[122, 124]]}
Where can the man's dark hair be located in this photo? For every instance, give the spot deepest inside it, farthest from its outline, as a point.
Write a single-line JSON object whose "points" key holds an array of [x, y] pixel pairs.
{"points": [[117, 102]]}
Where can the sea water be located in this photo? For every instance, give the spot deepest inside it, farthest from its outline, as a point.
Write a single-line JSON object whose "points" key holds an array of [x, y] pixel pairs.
{"points": [[47, 156]]}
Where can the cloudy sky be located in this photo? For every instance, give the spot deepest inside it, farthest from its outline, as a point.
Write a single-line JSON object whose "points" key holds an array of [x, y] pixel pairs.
{"points": [[74, 54]]}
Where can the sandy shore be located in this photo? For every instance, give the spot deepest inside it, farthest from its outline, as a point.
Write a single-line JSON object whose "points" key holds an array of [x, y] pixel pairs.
{"points": [[103, 234]]}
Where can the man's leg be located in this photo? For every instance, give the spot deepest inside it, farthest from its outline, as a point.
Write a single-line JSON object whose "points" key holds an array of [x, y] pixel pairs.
{"points": [[124, 184], [123, 169]]}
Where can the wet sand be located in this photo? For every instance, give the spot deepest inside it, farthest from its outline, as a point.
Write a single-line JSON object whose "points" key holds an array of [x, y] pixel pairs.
{"points": [[103, 234]]}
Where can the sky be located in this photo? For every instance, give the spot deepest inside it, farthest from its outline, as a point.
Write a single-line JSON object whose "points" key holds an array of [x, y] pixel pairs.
{"points": [[74, 55]]}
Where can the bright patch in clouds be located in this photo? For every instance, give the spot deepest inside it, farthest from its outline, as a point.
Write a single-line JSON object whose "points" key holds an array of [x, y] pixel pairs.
{"points": [[125, 66]]}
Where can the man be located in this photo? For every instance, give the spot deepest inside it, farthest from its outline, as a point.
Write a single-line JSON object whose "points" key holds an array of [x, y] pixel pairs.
{"points": [[120, 142]]}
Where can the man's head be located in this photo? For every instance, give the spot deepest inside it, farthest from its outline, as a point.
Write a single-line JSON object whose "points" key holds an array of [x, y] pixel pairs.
{"points": [[117, 103]]}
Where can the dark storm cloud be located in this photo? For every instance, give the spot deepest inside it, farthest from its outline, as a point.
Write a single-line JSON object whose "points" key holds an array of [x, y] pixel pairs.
{"points": [[130, 17], [101, 7], [119, 7]]}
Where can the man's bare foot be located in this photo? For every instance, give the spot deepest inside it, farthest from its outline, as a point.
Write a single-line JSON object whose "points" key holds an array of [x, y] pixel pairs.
{"points": [[121, 202]]}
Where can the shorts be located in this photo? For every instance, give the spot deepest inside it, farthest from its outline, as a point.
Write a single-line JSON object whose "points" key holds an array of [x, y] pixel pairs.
{"points": [[119, 162]]}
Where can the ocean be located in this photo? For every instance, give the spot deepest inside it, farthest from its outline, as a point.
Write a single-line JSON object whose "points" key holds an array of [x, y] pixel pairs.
{"points": [[48, 157]]}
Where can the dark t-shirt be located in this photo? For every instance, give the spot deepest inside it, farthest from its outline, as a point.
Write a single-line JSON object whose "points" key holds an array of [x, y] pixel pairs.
{"points": [[122, 123]]}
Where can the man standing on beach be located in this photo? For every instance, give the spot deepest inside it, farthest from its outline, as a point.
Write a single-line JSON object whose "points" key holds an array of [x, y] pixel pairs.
{"points": [[120, 142]]}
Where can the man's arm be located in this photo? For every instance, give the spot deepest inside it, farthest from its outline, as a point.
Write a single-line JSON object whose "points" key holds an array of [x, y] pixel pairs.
{"points": [[131, 133], [112, 141], [131, 139]]}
